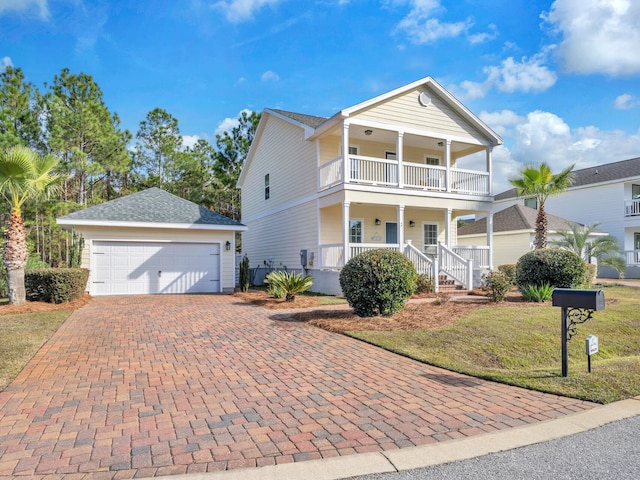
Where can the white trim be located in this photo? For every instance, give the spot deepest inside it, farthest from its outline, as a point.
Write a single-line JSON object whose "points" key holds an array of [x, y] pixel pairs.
{"points": [[182, 226], [410, 192], [141, 240]]}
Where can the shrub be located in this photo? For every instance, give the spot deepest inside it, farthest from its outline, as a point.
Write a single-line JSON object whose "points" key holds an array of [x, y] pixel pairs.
{"points": [[589, 275], [560, 268], [498, 284], [287, 284], [34, 262], [509, 269], [378, 282], [537, 293], [425, 284], [55, 285], [244, 274]]}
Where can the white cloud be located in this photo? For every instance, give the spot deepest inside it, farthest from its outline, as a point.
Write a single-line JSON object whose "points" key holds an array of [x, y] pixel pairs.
{"points": [[626, 101], [527, 75], [598, 36], [420, 26], [530, 74], [40, 7], [6, 62], [237, 11], [229, 124], [543, 136], [189, 140], [270, 76], [484, 36]]}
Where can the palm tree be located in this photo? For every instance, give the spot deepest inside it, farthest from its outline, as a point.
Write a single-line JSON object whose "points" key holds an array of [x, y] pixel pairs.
{"points": [[605, 249], [24, 175], [538, 182]]}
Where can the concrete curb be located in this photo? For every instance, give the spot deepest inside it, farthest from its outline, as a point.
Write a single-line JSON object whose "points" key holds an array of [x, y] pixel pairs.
{"points": [[433, 454]]}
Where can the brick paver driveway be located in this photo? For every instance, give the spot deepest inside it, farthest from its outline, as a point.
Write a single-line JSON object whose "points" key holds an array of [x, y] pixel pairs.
{"points": [[157, 385]]}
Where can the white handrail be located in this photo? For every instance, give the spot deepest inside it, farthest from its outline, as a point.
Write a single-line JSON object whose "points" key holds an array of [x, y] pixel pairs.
{"points": [[455, 266]]}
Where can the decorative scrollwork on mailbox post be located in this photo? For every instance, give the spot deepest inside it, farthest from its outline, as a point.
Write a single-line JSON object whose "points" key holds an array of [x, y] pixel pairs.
{"points": [[577, 308]]}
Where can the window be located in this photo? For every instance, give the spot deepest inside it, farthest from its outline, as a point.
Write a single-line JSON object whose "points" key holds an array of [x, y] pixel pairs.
{"points": [[266, 187], [429, 235], [635, 192], [431, 161], [355, 231], [531, 203]]}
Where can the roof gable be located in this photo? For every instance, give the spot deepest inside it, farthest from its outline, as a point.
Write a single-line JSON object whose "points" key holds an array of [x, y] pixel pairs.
{"points": [[150, 207], [515, 218]]}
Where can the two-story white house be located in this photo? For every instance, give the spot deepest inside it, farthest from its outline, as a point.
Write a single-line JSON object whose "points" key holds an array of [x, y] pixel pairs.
{"points": [[607, 194], [392, 172]]}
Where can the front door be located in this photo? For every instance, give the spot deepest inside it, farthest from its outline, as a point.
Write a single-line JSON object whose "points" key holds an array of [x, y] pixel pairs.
{"points": [[391, 230]]}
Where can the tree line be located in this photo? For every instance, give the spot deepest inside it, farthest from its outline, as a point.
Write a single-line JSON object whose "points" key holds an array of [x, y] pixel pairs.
{"points": [[99, 160]]}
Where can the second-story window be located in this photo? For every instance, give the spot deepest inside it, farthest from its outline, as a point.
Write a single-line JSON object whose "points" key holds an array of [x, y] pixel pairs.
{"points": [[266, 187], [531, 203]]}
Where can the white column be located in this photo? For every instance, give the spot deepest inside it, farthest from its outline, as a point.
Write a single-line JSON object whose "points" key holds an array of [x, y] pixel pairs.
{"points": [[345, 153], [401, 226], [447, 159], [399, 157], [345, 232], [447, 228], [490, 238], [490, 169]]}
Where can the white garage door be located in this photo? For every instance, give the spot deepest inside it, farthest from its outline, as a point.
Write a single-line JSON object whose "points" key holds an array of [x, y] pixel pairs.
{"points": [[129, 268]]}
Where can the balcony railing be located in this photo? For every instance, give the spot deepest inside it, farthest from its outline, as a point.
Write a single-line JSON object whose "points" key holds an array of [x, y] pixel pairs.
{"points": [[632, 257], [385, 173], [632, 208]]}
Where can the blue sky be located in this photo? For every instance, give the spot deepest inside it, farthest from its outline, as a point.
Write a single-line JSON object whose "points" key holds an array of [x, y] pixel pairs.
{"points": [[559, 81]]}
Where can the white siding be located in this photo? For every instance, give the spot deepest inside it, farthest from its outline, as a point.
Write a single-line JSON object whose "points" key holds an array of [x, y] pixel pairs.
{"points": [[164, 235], [280, 237], [406, 111]]}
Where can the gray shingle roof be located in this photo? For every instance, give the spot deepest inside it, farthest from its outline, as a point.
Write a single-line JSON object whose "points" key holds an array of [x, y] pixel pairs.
{"points": [[309, 120], [516, 217], [151, 206], [601, 173]]}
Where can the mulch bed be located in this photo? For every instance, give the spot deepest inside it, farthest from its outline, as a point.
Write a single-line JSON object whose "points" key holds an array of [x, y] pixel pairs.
{"points": [[42, 307], [427, 311]]}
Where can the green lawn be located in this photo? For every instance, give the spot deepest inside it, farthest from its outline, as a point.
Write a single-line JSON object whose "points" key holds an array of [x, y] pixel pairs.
{"points": [[520, 345], [21, 336]]}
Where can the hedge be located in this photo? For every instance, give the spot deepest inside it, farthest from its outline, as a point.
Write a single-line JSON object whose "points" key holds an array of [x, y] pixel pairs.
{"points": [[55, 285]]}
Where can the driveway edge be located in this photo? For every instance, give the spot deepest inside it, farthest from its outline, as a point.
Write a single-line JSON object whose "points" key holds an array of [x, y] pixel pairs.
{"points": [[433, 454]]}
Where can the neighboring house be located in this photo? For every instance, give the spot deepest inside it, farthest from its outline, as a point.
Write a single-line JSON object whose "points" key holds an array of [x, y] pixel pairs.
{"points": [[514, 232], [392, 172], [155, 242], [607, 194]]}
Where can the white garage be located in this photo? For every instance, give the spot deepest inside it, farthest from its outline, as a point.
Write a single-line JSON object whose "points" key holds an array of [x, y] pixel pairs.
{"points": [[153, 242]]}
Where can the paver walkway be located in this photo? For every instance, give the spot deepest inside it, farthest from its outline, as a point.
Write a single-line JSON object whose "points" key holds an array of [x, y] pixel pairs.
{"points": [[158, 385]]}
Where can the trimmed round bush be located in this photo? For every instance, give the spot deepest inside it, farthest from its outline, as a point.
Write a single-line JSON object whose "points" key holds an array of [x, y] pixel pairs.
{"points": [[558, 268], [378, 282]]}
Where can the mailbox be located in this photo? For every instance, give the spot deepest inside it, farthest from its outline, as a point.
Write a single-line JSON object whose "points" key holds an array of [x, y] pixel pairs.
{"points": [[570, 298]]}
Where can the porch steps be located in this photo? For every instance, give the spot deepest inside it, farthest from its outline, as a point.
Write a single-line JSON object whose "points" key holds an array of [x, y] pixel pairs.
{"points": [[450, 287]]}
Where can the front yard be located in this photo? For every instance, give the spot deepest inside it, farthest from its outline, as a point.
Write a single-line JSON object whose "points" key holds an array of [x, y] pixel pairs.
{"points": [[514, 342]]}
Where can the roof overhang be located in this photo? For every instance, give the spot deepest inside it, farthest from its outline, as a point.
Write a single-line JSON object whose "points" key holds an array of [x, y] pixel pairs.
{"points": [[176, 226]]}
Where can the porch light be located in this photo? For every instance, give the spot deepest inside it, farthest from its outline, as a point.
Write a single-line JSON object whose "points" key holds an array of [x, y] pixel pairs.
{"points": [[368, 132], [228, 245], [412, 224], [441, 144], [377, 221]]}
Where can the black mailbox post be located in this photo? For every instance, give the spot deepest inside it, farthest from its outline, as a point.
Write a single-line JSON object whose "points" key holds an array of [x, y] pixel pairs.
{"points": [[577, 307]]}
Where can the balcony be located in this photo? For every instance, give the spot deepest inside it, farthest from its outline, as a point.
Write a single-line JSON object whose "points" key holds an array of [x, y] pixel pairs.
{"points": [[390, 173], [632, 208]]}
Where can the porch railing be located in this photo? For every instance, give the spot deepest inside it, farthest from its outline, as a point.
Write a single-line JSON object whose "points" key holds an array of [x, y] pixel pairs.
{"points": [[331, 255], [632, 257], [356, 248], [455, 266], [383, 172], [423, 264], [632, 208], [478, 254]]}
